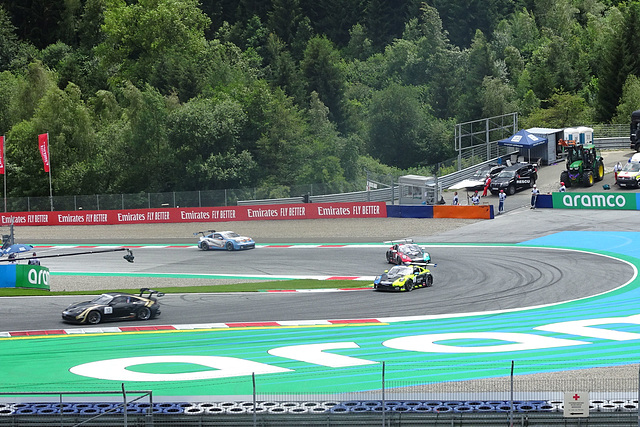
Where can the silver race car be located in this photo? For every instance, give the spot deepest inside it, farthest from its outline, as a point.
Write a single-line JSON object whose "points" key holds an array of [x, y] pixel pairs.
{"points": [[224, 240]]}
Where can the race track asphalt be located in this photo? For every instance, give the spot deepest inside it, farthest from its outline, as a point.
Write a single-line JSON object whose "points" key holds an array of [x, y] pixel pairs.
{"points": [[466, 279]]}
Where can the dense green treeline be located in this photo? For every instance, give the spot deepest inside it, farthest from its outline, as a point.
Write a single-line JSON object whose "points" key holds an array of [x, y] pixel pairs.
{"points": [[174, 95]]}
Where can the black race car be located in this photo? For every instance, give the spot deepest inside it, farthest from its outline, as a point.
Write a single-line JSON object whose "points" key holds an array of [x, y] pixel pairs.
{"points": [[514, 178], [406, 252], [115, 306]]}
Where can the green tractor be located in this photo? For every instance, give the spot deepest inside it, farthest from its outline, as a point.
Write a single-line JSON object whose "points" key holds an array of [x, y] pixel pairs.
{"points": [[585, 165]]}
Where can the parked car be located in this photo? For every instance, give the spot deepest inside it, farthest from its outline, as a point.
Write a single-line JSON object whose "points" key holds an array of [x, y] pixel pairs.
{"points": [[480, 176], [514, 178], [629, 176], [476, 181]]}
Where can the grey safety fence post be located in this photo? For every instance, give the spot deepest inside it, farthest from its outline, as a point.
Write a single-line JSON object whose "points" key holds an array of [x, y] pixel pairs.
{"points": [[511, 398], [393, 193], [255, 418], [384, 421], [124, 409]]}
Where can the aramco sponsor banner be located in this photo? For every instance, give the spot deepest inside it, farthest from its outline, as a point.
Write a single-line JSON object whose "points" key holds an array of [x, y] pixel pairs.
{"points": [[211, 214], [612, 201], [24, 276]]}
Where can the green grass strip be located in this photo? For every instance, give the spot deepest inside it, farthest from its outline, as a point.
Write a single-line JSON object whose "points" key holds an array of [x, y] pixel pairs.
{"points": [[283, 285]]}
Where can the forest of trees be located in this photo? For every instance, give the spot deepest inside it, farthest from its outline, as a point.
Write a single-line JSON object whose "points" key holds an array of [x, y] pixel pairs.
{"points": [[178, 95]]}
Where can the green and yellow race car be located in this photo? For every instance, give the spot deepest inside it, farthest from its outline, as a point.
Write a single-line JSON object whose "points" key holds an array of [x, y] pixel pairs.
{"points": [[403, 278]]}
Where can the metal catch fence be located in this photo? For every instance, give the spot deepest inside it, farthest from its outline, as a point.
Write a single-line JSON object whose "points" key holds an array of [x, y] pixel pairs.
{"points": [[531, 400]]}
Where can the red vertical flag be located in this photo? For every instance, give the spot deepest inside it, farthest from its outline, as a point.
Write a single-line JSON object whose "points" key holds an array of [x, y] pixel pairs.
{"points": [[2, 155], [43, 143]]}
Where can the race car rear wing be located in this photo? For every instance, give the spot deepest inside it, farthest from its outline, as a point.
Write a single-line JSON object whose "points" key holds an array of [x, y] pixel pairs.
{"points": [[204, 232], [393, 242], [150, 292], [423, 264]]}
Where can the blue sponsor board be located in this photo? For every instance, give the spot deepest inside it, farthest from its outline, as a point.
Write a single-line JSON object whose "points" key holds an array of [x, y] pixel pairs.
{"points": [[409, 211]]}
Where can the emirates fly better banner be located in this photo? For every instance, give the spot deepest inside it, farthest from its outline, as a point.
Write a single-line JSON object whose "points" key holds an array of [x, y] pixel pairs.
{"points": [[175, 215]]}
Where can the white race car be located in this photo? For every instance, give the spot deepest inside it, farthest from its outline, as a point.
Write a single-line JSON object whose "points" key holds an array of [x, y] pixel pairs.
{"points": [[224, 240]]}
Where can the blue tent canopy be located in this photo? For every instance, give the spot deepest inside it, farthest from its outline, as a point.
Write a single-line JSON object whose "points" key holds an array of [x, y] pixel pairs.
{"points": [[523, 139]]}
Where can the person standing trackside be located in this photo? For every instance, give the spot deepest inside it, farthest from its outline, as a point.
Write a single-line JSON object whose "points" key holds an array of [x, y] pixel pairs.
{"points": [[456, 201], [534, 196], [475, 199], [487, 183], [617, 168], [34, 260], [501, 198], [562, 188]]}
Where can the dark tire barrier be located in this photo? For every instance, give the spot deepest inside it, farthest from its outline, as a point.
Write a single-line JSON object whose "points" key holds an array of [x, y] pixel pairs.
{"points": [[193, 410], [304, 408], [6, 410]]}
